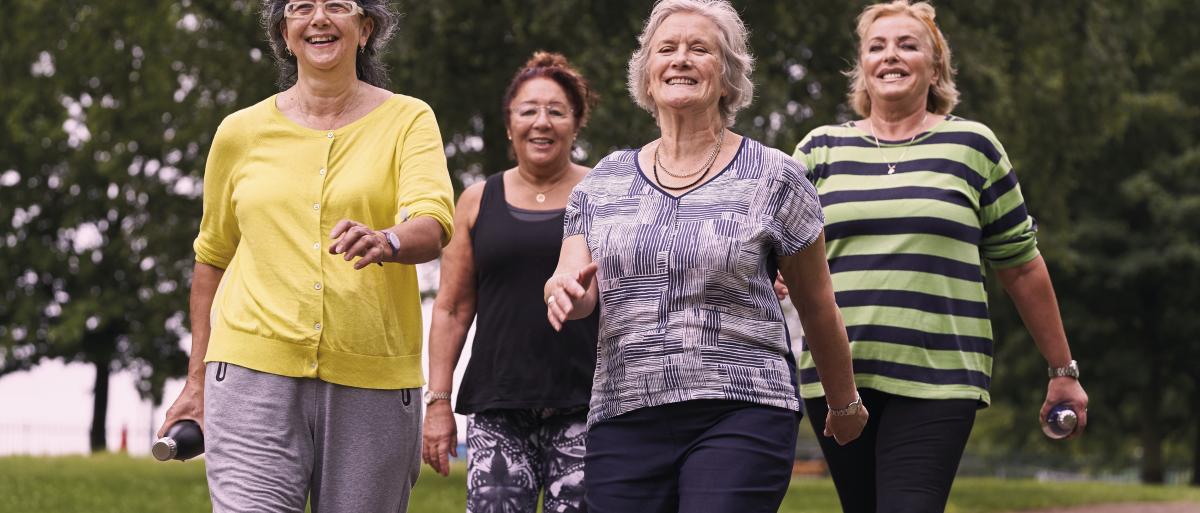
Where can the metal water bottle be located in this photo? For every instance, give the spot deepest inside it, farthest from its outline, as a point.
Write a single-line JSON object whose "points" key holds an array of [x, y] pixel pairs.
{"points": [[183, 441], [1060, 421]]}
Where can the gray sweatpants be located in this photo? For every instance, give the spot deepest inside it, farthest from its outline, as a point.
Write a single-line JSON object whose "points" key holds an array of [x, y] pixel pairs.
{"points": [[271, 441]]}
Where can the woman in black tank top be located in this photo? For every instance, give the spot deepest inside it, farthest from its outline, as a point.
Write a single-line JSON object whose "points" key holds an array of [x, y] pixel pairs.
{"points": [[526, 387]]}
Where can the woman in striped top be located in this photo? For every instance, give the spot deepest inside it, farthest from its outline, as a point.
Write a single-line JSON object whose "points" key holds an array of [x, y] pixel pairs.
{"points": [[916, 201]]}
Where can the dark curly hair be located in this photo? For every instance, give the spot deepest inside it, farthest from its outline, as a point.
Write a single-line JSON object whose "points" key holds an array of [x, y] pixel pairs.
{"points": [[368, 65], [555, 67]]}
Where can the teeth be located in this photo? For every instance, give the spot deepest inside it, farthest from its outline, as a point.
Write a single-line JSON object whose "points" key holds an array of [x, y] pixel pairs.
{"points": [[322, 39], [890, 76], [681, 80]]}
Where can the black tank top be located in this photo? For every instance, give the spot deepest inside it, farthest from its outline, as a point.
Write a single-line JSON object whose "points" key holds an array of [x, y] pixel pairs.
{"points": [[517, 360]]}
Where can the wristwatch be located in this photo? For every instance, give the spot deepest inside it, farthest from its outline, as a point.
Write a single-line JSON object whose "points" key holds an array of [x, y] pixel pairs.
{"points": [[393, 241], [431, 396], [1070, 371], [849, 410]]}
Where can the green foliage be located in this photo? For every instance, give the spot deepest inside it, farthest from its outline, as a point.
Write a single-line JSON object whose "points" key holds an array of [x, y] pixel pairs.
{"points": [[116, 483], [1096, 102]]}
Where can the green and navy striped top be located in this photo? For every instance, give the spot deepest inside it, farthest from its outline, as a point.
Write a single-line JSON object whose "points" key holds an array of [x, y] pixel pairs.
{"points": [[906, 252]]}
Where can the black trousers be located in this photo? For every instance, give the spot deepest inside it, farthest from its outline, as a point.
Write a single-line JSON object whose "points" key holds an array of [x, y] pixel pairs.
{"points": [[907, 456]]}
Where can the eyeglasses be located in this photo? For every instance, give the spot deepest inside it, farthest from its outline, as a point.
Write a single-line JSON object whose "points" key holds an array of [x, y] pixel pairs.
{"points": [[335, 8], [555, 112]]}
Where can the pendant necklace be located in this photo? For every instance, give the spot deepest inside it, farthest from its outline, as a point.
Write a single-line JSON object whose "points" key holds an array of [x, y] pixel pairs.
{"points": [[892, 167], [702, 171], [540, 196]]}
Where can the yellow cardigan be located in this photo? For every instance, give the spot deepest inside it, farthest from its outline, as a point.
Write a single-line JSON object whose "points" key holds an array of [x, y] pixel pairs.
{"points": [[273, 191]]}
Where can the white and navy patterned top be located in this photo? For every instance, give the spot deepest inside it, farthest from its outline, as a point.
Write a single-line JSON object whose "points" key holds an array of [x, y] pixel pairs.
{"points": [[687, 308]]}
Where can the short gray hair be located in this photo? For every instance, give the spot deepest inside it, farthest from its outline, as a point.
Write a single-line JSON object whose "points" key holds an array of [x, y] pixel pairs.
{"points": [[736, 61], [368, 66]]}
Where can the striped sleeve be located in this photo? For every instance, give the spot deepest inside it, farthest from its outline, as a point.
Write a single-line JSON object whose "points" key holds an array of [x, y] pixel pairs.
{"points": [[798, 219], [1008, 231], [804, 155], [577, 219]]}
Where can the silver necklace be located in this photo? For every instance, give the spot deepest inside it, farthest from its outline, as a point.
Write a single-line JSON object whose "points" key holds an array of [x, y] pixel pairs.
{"points": [[907, 146]]}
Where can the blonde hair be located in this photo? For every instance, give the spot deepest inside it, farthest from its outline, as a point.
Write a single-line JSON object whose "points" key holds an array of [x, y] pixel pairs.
{"points": [[943, 94], [736, 60]]}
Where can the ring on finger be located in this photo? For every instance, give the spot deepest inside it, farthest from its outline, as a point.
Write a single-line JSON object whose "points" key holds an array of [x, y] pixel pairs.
{"points": [[550, 299]]}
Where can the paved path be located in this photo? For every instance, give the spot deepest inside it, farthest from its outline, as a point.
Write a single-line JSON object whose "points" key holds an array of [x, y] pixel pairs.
{"points": [[1128, 507]]}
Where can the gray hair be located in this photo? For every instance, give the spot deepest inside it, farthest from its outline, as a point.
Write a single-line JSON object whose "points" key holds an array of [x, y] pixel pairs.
{"points": [[736, 61], [368, 65]]}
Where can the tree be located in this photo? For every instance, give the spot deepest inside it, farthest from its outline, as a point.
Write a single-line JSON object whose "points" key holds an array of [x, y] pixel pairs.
{"points": [[105, 132]]}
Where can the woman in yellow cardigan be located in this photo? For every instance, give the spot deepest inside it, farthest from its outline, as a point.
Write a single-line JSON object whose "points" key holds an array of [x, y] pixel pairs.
{"points": [[307, 380]]}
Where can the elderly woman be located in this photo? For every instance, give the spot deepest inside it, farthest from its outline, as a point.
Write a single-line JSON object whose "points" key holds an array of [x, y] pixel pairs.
{"points": [[526, 387], [694, 405], [916, 201], [317, 203]]}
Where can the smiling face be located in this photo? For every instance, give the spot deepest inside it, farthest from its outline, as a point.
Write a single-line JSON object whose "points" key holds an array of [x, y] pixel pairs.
{"points": [[324, 42], [540, 123], [897, 60], [684, 69]]}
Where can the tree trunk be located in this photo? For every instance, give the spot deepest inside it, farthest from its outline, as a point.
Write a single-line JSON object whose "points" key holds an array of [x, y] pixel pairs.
{"points": [[99, 434], [1196, 443], [1196, 458], [1153, 471]]}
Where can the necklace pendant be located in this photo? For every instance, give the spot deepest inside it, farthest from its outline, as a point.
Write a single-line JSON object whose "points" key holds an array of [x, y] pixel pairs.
{"points": [[541, 198], [891, 168]]}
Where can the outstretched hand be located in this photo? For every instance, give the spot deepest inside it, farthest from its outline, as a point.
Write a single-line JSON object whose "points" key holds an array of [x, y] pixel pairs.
{"points": [[566, 290]]}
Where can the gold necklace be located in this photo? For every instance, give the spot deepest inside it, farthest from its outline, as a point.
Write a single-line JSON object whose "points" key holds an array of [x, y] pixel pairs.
{"points": [[712, 156], [708, 166], [540, 196], [908, 145]]}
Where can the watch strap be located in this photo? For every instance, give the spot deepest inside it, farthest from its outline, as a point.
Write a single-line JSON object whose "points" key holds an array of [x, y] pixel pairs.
{"points": [[431, 396], [1070, 371], [849, 410]]}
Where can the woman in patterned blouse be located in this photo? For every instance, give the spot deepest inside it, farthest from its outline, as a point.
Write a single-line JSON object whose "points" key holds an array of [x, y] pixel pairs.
{"points": [[695, 403], [916, 201]]}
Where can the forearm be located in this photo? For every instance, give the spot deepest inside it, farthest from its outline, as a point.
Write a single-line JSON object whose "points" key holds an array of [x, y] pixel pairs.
{"points": [[205, 280], [1032, 292], [826, 338], [807, 276], [447, 336], [420, 241]]}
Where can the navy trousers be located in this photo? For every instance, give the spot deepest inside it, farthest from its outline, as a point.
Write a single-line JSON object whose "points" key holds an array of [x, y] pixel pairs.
{"points": [[701, 456]]}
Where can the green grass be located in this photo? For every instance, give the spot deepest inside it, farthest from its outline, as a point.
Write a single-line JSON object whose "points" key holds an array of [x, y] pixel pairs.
{"points": [[114, 483]]}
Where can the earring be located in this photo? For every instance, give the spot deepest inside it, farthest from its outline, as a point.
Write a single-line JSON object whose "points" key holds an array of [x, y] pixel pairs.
{"points": [[362, 49]]}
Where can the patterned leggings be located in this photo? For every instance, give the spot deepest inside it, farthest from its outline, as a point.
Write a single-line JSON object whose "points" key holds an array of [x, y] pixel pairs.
{"points": [[514, 454]]}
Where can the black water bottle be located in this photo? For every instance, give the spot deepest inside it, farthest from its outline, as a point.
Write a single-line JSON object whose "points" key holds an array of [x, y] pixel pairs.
{"points": [[183, 441], [1060, 421]]}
